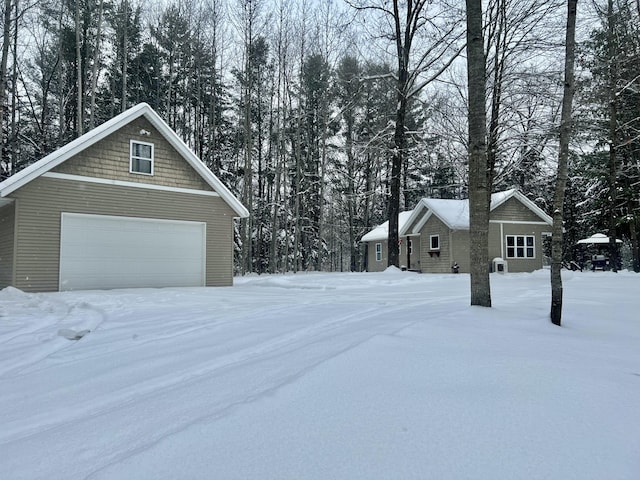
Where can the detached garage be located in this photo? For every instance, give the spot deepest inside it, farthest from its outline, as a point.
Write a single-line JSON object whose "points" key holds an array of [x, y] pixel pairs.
{"points": [[125, 205]]}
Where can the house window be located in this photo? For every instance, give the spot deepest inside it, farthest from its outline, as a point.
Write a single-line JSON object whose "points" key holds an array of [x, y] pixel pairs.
{"points": [[521, 246], [410, 246], [434, 242], [378, 252], [141, 158]]}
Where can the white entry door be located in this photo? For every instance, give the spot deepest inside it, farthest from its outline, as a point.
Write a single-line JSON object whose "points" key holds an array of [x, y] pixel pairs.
{"points": [[100, 251]]}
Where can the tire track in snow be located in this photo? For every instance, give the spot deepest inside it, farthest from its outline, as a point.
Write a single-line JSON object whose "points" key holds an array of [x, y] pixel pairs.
{"points": [[291, 341], [152, 387], [272, 383]]}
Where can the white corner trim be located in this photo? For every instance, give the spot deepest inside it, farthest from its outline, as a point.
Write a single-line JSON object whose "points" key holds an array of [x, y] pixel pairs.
{"points": [[121, 183]]}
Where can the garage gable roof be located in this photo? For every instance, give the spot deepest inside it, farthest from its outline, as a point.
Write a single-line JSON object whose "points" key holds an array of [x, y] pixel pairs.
{"points": [[81, 143]]}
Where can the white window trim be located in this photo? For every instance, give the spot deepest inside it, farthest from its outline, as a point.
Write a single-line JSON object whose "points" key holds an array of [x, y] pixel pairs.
{"points": [[378, 252], [131, 157], [431, 237], [515, 247]]}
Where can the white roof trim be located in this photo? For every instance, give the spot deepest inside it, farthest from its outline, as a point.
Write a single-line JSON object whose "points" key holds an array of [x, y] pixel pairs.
{"points": [[414, 215], [81, 143], [422, 221]]}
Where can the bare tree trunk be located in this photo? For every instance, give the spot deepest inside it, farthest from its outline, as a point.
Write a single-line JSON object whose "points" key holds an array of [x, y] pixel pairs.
{"points": [[6, 42], [613, 128], [403, 47], [61, 95], [479, 188], [563, 156], [125, 53], [12, 140], [79, 119], [634, 237], [499, 63], [95, 69]]}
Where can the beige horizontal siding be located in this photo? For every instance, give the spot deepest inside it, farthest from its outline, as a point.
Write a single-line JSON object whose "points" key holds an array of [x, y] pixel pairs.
{"points": [[435, 261], [414, 258], [372, 264], [514, 210], [499, 250], [7, 219], [109, 158], [461, 250], [41, 202]]}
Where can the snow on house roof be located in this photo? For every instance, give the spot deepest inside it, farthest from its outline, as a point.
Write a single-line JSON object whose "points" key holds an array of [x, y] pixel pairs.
{"points": [[381, 232], [93, 136], [453, 213]]}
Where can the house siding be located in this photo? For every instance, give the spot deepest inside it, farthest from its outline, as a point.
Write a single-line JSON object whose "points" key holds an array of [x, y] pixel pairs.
{"points": [[109, 159], [435, 261], [380, 266], [7, 231], [461, 250], [372, 264], [414, 258], [497, 244], [514, 210], [42, 201]]}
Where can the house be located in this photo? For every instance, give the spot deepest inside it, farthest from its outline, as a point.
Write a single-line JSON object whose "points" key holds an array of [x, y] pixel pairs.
{"points": [[436, 233], [128, 204], [377, 251]]}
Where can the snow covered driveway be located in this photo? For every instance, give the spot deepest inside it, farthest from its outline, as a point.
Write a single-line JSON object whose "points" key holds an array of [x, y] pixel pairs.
{"points": [[317, 376]]}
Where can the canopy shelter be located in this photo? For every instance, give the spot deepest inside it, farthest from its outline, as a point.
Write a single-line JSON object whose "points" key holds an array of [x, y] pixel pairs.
{"points": [[597, 239], [598, 245]]}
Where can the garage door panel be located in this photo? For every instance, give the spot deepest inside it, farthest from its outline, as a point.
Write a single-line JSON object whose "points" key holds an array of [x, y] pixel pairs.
{"points": [[99, 251]]}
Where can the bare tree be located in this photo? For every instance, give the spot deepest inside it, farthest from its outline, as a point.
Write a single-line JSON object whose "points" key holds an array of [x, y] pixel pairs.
{"points": [[96, 66], [479, 173], [426, 41], [613, 133], [79, 77], [561, 178], [6, 43]]}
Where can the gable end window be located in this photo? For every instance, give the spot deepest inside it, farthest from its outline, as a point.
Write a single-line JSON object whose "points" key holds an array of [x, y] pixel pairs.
{"points": [[378, 252], [521, 246], [141, 158], [434, 242]]}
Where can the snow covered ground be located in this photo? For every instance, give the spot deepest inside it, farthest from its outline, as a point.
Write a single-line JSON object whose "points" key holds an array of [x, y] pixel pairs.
{"points": [[324, 376]]}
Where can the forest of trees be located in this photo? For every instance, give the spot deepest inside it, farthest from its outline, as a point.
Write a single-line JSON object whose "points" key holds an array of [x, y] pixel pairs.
{"points": [[325, 116]]}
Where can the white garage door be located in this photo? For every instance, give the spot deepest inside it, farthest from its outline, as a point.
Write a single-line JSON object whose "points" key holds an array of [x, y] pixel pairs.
{"points": [[98, 251]]}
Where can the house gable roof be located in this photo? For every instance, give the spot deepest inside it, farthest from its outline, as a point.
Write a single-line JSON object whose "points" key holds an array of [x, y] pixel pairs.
{"points": [[381, 232], [71, 149], [455, 213]]}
